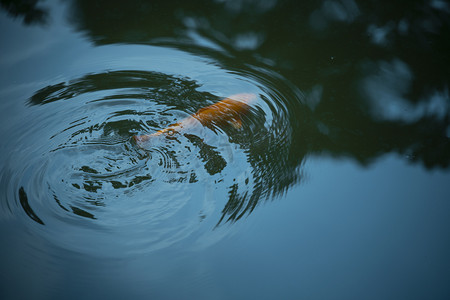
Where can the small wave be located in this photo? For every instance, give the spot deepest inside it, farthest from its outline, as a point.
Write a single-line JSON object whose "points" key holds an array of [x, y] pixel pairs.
{"points": [[89, 177]]}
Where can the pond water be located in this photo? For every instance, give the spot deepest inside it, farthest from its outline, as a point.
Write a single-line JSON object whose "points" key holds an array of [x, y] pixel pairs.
{"points": [[334, 183]]}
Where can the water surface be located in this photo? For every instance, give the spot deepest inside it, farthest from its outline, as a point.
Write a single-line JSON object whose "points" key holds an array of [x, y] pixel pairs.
{"points": [[334, 187]]}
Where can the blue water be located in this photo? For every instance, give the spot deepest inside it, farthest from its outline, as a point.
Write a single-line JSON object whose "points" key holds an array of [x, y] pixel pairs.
{"points": [[335, 187]]}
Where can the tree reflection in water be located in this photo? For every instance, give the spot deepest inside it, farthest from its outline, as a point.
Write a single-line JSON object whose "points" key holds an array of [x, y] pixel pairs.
{"points": [[29, 10], [266, 148], [375, 73]]}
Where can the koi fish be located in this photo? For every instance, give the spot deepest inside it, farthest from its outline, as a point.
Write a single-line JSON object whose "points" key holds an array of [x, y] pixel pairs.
{"points": [[227, 111]]}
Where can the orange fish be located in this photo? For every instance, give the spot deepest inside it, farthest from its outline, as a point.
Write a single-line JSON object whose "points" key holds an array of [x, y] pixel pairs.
{"points": [[227, 111]]}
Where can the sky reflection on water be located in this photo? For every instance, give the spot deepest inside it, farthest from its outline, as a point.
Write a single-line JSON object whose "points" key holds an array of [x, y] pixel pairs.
{"points": [[351, 137]]}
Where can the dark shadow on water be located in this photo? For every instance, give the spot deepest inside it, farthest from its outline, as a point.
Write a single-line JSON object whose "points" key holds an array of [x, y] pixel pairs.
{"points": [[29, 10], [23, 198], [214, 162], [82, 213], [271, 172], [375, 75]]}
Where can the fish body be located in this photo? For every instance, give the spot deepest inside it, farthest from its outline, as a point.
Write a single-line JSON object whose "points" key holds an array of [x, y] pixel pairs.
{"points": [[227, 111]]}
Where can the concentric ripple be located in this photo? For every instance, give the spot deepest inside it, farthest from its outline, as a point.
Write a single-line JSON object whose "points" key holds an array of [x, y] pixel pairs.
{"points": [[77, 173]]}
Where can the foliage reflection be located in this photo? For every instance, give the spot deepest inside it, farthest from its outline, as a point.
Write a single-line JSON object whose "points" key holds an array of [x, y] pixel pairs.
{"points": [[374, 76]]}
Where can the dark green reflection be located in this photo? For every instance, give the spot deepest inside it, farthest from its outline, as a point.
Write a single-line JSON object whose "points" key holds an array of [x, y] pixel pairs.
{"points": [[267, 149], [82, 213], [214, 162], [29, 10], [354, 60], [375, 75], [23, 198]]}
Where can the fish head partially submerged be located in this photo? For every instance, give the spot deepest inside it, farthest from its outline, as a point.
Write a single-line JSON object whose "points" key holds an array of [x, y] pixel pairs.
{"points": [[170, 132]]}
